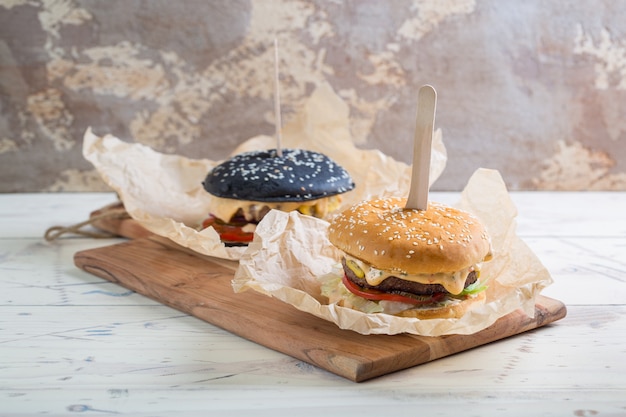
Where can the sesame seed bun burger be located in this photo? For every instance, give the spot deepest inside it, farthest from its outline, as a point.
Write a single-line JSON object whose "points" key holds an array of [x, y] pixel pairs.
{"points": [[247, 186], [408, 262]]}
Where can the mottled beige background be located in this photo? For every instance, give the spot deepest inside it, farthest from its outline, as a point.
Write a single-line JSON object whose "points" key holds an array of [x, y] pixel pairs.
{"points": [[535, 89]]}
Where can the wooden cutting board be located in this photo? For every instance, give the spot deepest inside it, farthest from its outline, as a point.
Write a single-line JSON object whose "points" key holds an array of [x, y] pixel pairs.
{"points": [[201, 286]]}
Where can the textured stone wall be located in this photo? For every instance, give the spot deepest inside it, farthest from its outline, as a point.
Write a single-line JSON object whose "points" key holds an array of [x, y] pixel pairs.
{"points": [[535, 89]]}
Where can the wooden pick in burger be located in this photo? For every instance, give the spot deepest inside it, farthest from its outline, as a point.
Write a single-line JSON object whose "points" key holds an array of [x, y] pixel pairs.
{"points": [[278, 121], [423, 139]]}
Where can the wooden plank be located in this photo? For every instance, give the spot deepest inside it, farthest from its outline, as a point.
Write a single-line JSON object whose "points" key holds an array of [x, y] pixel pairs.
{"points": [[202, 288]]}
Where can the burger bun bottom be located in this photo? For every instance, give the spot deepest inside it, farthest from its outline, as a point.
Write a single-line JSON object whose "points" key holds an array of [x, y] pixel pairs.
{"points": [[452, 311]]}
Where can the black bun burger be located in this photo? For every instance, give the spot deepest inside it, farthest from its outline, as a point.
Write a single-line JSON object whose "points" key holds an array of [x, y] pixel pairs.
{"points": [[247, 186], [411, 263]]}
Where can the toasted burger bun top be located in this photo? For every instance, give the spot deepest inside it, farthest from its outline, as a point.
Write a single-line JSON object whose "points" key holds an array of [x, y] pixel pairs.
{"points": [[297, 175], [387, 236]]}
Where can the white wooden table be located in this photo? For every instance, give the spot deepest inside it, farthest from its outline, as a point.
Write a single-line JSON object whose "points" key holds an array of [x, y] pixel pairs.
{"points": [[74, 344]]}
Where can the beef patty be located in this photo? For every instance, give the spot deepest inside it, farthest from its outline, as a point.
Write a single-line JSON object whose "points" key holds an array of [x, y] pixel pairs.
{"points": [[397, 285]]}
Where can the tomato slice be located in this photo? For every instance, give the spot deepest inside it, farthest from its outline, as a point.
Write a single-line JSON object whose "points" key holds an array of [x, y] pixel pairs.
{"points": [[376, 295], [228, 232]]}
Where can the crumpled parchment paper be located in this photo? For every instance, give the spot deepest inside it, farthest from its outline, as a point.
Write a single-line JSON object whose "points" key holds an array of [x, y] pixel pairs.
{"points": [[164, 192], [291, 252]]}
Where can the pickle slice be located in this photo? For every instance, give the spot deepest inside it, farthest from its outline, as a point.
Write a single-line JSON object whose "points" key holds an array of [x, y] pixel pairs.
{"points": [[354, 267]]}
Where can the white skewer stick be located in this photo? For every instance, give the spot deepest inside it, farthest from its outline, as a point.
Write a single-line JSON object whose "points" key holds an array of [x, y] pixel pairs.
{"points": [[420, 175], [279, 150]]}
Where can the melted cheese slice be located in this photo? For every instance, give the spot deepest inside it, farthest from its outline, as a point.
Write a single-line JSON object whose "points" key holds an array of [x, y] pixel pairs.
{"points": [[453, 282], [225, 208]]}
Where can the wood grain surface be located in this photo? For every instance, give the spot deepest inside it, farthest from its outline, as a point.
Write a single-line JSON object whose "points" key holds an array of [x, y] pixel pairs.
{"points": [[73, 343], [202, 288]]}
